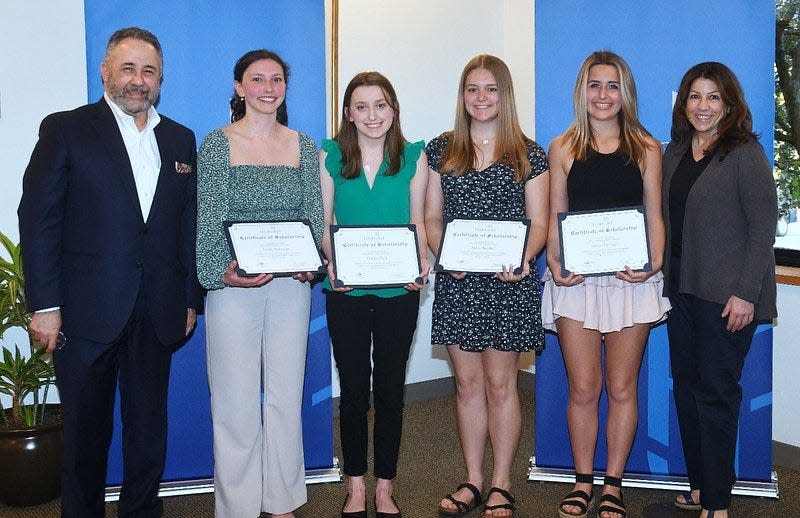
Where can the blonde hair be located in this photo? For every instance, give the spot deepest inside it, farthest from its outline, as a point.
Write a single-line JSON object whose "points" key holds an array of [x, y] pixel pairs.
{"points": [[633, 136], [510, 145]]}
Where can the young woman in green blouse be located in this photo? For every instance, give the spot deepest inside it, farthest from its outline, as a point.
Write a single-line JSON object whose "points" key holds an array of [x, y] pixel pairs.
{"points": [[370, 175]]}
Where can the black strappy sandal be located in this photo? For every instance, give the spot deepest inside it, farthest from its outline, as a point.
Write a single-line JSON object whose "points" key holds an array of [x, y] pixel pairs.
{"points": [[462, 508], [611, 499], [688, 503], [572, 498], [510, 505]]}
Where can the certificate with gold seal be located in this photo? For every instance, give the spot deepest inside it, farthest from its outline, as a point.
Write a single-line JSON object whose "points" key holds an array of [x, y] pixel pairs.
{"points": [[603, 242], [281, 248], [482, 246], [378, 256]]}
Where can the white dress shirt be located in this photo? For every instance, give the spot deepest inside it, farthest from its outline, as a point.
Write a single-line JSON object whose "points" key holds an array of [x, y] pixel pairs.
{"points": [[142, 151]]}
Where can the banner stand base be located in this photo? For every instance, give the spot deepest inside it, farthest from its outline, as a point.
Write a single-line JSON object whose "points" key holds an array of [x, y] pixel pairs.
{"points": [[324, 475], [742, 487], [206, 485]]}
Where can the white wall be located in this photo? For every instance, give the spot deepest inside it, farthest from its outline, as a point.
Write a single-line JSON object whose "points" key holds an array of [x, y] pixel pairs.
{"points": [[786, 362], [43, 70], [43, 64]]}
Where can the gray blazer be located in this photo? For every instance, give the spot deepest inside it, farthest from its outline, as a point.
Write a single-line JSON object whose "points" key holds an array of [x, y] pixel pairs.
{"points": [[728, 230]]}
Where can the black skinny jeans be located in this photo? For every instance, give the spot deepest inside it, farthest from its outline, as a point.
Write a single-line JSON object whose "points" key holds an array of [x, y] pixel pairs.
{"points": [[385, 326]]}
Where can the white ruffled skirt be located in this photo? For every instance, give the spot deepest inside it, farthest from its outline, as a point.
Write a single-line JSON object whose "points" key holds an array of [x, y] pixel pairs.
{"points": [[604, 303]]}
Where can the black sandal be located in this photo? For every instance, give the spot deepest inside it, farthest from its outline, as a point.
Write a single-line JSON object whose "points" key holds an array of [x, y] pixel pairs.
{"points": [[688, 503], [462, 508], [619, 506], [571, 499], [510, 505]]}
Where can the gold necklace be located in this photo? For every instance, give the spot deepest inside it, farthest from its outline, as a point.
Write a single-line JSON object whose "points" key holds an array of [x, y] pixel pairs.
{"points": [[485, 140]]}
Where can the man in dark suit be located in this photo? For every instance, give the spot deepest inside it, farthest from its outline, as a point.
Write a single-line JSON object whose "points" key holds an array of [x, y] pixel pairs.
{"points": [[107, 227]]}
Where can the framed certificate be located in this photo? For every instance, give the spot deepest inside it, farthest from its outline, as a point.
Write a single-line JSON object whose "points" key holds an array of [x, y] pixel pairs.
{"points": [[604, 242], [482, 246], [378, 256], [281, 248]]}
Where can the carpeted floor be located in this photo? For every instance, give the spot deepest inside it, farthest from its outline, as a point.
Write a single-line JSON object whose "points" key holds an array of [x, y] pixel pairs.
{"points": [[431, 465]]}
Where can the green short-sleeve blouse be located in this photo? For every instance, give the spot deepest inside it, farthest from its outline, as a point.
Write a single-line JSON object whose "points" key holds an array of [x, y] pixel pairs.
{"points": [[387, 202]]}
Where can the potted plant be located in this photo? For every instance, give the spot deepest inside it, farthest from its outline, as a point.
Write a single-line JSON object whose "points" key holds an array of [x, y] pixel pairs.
{"points": [[31, 445]]}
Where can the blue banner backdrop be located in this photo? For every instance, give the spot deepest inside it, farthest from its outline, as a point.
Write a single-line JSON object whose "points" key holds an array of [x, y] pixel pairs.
{"points": [[201, 43], [660, 41], [657, 449]]}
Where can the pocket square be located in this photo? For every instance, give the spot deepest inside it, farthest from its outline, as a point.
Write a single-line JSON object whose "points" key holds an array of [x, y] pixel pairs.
{"points": [[182, 168]]}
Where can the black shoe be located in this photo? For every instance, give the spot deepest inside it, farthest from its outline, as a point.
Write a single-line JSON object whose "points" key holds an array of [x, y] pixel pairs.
{"points": [[398, 514], [353, 514]]}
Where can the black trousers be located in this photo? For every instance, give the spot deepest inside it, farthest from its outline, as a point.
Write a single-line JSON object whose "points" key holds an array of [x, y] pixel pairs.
{"points": [[707, 362], [87, 374], [386, 327]]}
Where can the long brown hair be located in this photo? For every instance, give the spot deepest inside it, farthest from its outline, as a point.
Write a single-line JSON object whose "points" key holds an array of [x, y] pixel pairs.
{"points": [[347, 136], [734, 128], [510, 145], [633, 137]]}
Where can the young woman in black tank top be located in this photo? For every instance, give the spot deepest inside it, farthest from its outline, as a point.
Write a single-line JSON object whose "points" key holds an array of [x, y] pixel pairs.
{"points": [[605, 160]]}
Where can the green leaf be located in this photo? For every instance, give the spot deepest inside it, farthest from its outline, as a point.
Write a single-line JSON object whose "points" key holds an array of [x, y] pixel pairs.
{"points": [[20, 377]]}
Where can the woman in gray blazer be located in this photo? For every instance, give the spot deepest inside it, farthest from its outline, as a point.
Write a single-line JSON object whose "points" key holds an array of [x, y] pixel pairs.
{"points": [[720, 210]]}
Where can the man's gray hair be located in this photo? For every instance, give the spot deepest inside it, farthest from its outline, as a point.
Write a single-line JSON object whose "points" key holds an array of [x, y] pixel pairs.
{"points": [[133, 33]]}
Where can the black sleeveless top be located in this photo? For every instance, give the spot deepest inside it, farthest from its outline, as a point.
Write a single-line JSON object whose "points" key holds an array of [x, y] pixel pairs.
{"points": [[604, 182]]}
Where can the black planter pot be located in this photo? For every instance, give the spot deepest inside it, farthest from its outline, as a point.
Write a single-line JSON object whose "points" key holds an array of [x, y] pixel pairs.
{"points": [[30, 470]]}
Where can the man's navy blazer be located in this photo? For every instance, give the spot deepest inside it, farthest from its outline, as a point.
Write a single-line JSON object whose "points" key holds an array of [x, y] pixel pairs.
{"points": [[85, 245]]}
